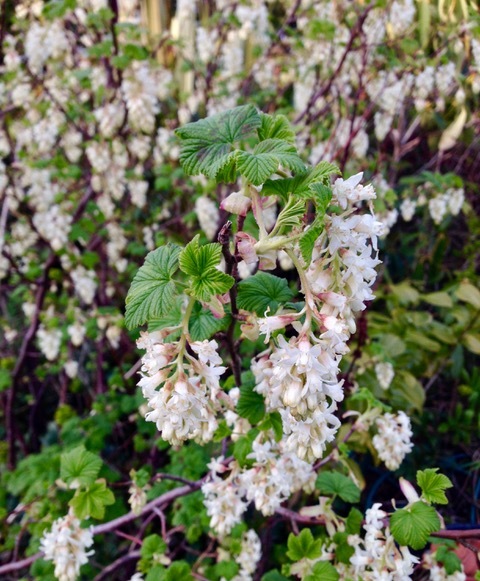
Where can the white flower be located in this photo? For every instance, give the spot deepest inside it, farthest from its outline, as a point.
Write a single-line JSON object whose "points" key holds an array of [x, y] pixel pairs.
{"points": [[137, 498], [236, 203], [407, 209], [438, 208], [393, 439], [65, 544], [385, 374], [49, 341], [455, 200], [208, 215]]}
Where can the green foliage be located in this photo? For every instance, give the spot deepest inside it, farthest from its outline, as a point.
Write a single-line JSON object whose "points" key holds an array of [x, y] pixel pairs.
{"points": [[449, 559], [79, 467], [153, 548], [200, 264], [339, 485], [207, 145], [413, 525], [265, 158], [243, 447], [203, 324], [323, 571], [91, 501], [152, 291], [250, 404], [303, 546], [262, 291], [433, 485]]}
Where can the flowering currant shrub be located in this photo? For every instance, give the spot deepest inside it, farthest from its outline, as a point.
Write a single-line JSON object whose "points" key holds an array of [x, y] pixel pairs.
{"points": [[285, 425]]}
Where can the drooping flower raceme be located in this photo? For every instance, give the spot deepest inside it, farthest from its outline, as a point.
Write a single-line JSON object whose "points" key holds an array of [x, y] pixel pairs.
{"points": [[66, 545], [376, 555], [184, 406], [393, 439]]}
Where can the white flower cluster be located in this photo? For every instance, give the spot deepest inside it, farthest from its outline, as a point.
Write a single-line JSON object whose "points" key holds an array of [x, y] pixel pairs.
{"points": [[184, 407], [393, 439], [385, 374], [208, 216], [450, 202], [299, 378], [439, 206], [275, 475], [66, 545], [376, 555], [250, 555]]}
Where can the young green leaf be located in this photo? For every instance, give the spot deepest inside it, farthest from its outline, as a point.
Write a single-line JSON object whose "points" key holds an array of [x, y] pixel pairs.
{"points": [[323, 571], [303, 546], [413, 525], [152, 549], [92, 501], [152, 292], [292, 213], [202, 324], [200, 263], [433, 485], [250, 404], [322, 196], [79, 467], [207, 145], [307, 242], [300, 185], [265, 158], [449, 559], [261, 291], [335, 483], [275, 127]]}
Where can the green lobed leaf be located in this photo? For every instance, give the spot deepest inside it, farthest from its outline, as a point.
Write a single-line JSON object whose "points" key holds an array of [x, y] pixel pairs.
{"points": [[261, 291], [274, 575], [433, 485], [322, 196], [273, 421], [323, 571], [152, 292], [79, 466], [202, 324], [200, 263], [449, 559], [251, 405], [292, 213], [243, 447], [265, 158], [276, 127], [152, 546], [307, 242], [207, 145], [303, 546], [413, 525], [343, 551], [92, 501], [330, 482], [353, 524], [300, 185]]}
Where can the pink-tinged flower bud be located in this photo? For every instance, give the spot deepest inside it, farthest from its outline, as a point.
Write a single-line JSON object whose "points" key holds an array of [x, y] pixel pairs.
{"points": [[408, 491], [269, 324], [236, 203], [246, 247], [268, 260]]}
